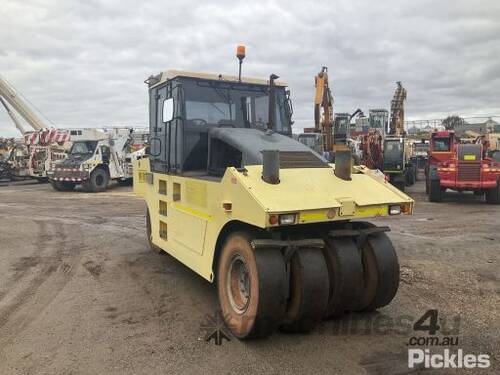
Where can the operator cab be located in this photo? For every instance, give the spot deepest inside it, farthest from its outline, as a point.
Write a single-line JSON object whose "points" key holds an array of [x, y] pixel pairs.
{"points": [[341, 128], [393, 154], [197, 120]]}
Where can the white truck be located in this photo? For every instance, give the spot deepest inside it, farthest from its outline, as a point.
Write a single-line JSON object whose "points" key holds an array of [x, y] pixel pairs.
{"points": [[102, 156]]}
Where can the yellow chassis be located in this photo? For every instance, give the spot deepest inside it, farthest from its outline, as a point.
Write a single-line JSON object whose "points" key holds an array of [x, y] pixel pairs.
{"points": [[190, 216]]}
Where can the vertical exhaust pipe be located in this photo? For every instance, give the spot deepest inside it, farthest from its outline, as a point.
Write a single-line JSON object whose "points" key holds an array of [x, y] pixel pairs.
{"points": [[343, 164], [271, 166]]}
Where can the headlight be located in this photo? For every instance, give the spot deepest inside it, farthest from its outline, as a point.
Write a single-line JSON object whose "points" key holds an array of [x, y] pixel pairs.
{"points": [[394, 210], [287, 219]]}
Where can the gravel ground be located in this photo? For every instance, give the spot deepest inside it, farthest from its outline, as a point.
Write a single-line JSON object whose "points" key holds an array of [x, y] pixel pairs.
{"points": [[81, 293]]}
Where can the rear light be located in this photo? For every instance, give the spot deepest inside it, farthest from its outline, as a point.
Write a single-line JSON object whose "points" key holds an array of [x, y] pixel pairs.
{"points": [[394, 210], [287, 219]]}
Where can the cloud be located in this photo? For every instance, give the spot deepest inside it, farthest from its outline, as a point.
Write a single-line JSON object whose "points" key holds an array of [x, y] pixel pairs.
{"points": [[84, 63]]}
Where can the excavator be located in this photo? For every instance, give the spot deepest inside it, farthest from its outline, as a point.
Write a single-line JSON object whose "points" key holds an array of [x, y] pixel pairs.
{"points": [[387, 149], [331, 132], [277, 229], [44, 145], [397, 165]]}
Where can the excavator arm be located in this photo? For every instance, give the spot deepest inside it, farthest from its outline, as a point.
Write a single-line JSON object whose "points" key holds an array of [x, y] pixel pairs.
{"points": [[396, 124], [323, 108]]}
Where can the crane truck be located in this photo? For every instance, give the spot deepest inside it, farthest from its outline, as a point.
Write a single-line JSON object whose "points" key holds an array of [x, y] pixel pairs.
{"points": [[97, 157], [235, 198], [44, 145]]}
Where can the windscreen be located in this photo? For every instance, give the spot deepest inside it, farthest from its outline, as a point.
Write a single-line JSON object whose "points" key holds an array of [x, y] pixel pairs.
{"points": [[441, 144], [83, 147], [341, 125], [377, 121], [393, 152], [308, 140], [232, 104]]}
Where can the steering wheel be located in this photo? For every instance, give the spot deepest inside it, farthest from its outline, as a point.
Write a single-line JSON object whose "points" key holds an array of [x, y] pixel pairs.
{"points": [[198, 121]]}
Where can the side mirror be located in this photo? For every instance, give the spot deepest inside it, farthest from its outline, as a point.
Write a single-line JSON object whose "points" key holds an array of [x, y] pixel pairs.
{"points": [[168, 110]]}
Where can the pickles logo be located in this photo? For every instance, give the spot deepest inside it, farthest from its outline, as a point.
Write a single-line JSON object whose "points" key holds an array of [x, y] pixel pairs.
{"points": [[448, 358]]}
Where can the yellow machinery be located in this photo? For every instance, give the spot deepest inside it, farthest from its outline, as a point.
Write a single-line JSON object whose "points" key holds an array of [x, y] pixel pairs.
{"points": [[232, 196]]}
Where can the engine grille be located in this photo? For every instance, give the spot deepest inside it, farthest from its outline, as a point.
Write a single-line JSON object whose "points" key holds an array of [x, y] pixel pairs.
{"points": [[469, 171], [300, 159]]}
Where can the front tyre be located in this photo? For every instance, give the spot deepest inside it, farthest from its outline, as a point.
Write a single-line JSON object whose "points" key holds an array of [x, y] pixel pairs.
{"points": [[251, 284], [493, 195], [435, 192], [98, 181]]}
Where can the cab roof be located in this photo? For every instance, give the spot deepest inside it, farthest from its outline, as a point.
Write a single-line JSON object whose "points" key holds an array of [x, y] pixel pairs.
{"points": [[170, 74]]}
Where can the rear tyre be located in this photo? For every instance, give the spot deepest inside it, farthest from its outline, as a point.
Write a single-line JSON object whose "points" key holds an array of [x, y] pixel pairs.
{"points": [[435, 192], [251, 285], [381, 272], [149, 232], [493, 195], [345, 271], [309, 288], [400, 185], [98, 181]]}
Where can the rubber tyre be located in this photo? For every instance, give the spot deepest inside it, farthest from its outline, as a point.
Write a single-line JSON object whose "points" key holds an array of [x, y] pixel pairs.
{"points": [[55, 185], [493, 195], [400, 185], [435, 192], [62, 185], [152, 246], [309, 290], [345, 271], [380, 272], [410, 177], [98, 181], [267, 283]]}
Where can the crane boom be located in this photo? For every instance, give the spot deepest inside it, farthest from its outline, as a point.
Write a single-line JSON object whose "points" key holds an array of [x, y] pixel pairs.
{"points": [[13, 117], [8, 93], [396, 125]]}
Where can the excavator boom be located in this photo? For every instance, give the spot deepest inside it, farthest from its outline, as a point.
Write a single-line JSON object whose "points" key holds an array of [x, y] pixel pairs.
{"points": [[323, 108], [396, 125]]}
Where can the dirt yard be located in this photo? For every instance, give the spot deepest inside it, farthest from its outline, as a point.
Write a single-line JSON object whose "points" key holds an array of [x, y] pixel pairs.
{"points": [[81, 293]]}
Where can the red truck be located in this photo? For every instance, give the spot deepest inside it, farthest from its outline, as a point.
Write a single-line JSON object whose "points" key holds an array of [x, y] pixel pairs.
{"points": [[460, 167]]}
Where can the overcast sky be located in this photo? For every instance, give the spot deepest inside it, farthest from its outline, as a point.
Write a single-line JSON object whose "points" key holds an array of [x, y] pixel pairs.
{"points": [[83, 63]]}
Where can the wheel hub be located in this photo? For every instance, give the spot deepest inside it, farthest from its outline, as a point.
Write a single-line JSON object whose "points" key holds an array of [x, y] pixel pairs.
{"points": [[238, 284]]}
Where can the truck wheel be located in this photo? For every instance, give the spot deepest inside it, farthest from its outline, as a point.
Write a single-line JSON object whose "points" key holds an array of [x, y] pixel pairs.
{"points": [[309, 289], [410, 176], [149, 232], [62, 185], [435, 192], [252, 287], [381, 272], [345, 272], [400, 185], [98, 181], [55, 185], [493, 195]]}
